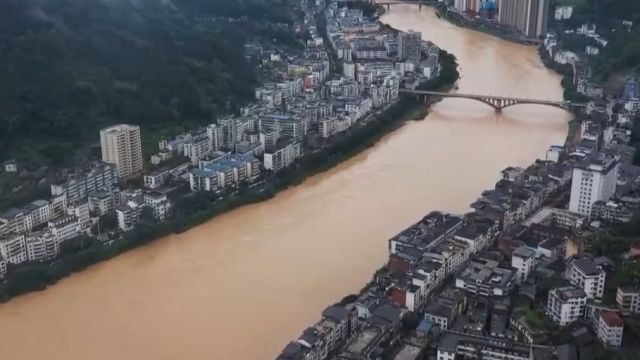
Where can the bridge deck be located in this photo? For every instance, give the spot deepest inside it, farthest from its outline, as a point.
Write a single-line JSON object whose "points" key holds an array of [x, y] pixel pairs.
{"points": [[488, 97]]}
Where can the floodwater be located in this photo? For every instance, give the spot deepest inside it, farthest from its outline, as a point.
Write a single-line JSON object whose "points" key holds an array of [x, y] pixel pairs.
{"points": [[244, 284]]}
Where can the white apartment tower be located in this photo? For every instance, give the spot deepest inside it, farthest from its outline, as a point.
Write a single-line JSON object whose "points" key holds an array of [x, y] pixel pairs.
{"points": [[566, 305], [594, 179], [587, 275], [122, 146]]}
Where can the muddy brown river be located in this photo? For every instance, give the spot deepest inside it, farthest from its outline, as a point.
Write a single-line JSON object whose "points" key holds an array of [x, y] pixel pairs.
{"points": [[244, 284]]}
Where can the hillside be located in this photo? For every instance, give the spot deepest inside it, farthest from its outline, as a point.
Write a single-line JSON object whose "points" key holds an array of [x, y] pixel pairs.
{"points": [[621, 57], [70, 67]]}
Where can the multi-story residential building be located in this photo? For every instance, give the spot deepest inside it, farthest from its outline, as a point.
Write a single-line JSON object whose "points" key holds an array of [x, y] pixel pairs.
{"points": [[128, 214], [64, 228], [628, 300], [41, 246], [478, 232], [290, 88], [215, 137], [566, 304], [197, 148], [453, 253], [159, 204], [610, 328], [587, 275], [228, 170], [363, 343], [3, 267], [557, 217], [21, 220], [173, 146], [157, 178], [441, 314], [483, 277], [13, 248], [463, 346], [58, 205], [370, 52], [160, 157], [282, 155], [330, 126], [102, 201], [594, 179], [122, 146], [38, 212], [80, 210], [426, 234], [523, 260], [410, 46], [444, 309], [339, 323], [612, 211], [94, 176], [358, 107], [16, 221], [4, 226], [288, 125]]}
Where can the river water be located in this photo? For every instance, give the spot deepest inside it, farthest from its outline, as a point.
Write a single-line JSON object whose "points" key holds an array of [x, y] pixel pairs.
{"points": [[244, 284]]}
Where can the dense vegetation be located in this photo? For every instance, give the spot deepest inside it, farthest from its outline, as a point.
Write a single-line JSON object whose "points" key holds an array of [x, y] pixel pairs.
{"points": [[622, 54], [70, 67], [194, 209]]}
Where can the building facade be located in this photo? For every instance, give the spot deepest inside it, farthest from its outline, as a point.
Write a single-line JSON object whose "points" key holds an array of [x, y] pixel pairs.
{"points": [[13, 248], [527, 16], [410, 46], [122, 146], [523, 261], [594, 179], [96, 176], [628, 300], [585, 274], [610, 328], [281, 156], [566, 304]]}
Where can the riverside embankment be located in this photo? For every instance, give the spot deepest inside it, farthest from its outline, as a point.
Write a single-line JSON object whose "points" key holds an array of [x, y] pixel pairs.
{"points": [[244, 283]]}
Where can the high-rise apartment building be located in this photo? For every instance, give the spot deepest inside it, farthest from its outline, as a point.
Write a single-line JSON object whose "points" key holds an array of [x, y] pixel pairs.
{"points": [[467, 5], [528, 16], [410, 45], [122, 146], [594, 179]]}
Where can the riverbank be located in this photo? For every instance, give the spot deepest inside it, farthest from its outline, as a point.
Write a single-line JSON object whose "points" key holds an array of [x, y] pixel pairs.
{"points": [[81, 253], [569, 93], [503, 33]]}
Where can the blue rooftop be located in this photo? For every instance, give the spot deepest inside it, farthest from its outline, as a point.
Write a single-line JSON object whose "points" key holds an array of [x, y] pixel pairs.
{"points": [[425, 326]]}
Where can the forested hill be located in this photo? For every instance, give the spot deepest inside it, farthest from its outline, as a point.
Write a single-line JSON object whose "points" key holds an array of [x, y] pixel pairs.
{"points": [[622, 54], [69, 67]]}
